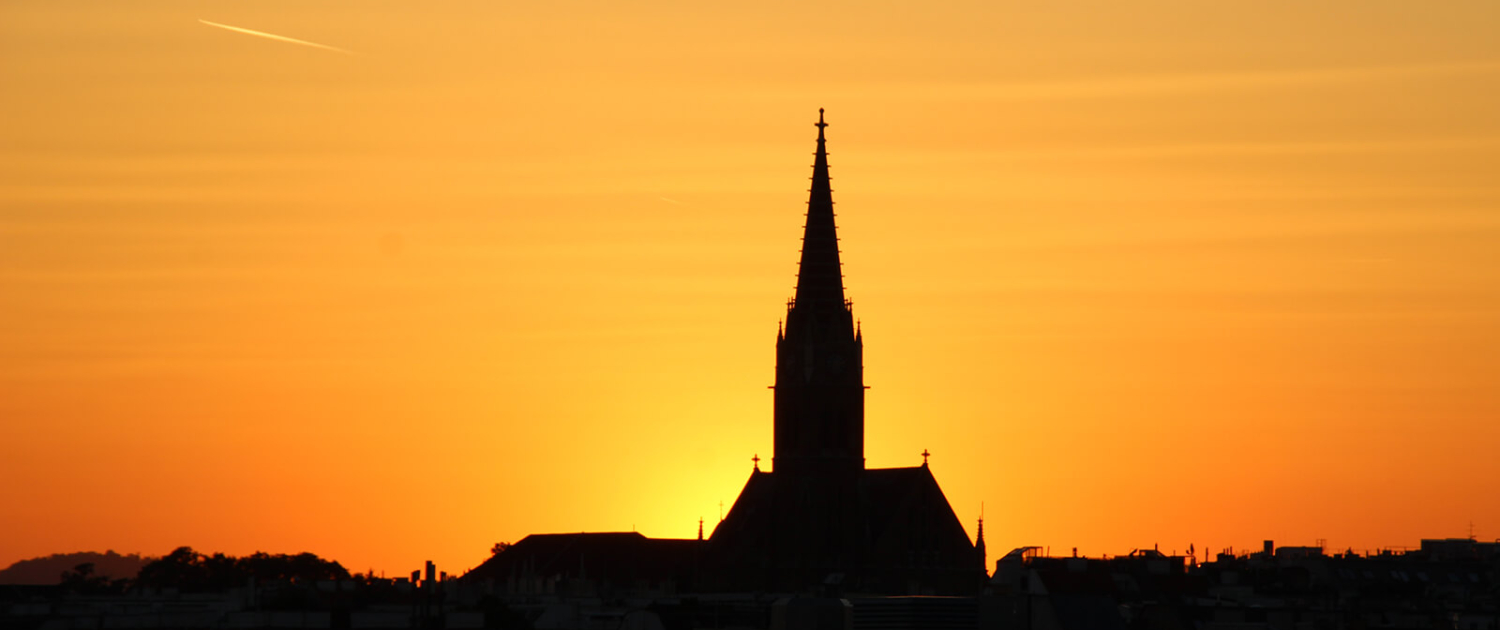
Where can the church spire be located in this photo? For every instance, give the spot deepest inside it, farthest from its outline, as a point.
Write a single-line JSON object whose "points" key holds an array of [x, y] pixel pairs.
{"points": [[984, 560], [820, 394], [820, 279]]}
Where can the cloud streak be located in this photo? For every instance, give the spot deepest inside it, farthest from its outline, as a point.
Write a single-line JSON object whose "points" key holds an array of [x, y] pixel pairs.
{"points": [[278, 38]]}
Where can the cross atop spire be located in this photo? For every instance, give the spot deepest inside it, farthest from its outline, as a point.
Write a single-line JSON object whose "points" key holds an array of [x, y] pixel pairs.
{"points": [[820, 278]]}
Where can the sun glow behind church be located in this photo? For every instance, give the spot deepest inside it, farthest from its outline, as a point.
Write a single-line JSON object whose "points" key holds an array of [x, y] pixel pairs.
{"points": [[1171, 273]]}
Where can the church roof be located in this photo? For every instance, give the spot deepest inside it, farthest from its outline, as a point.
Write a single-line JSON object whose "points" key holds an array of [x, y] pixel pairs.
{"points": [[897, 519], [896, 494], [884, 493]]}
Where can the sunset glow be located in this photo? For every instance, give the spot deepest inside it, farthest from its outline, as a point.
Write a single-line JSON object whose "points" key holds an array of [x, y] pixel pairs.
{"points": [[1135, 273]]}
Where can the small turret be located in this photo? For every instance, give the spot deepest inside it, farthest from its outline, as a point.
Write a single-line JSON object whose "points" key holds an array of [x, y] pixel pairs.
{"points": [[984, 559]]}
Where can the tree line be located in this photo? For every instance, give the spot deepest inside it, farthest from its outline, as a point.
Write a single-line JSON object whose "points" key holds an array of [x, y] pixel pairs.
{"points": [[189, 571]]}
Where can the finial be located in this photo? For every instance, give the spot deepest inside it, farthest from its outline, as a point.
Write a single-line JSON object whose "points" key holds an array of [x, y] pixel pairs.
{"points": [[979, 540], [820, 124], [924, 457], [756, 459]]}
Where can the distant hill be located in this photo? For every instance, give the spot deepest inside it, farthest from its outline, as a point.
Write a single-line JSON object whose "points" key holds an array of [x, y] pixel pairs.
{"points": [[49, 570]]}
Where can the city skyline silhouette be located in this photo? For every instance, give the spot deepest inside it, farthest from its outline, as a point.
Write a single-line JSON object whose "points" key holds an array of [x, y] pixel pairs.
{"points": [[1165, 277]]}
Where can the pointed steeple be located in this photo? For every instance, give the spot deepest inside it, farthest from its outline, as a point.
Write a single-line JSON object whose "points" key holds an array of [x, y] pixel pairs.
{"points": [[984, 560], [820, 394], [820, 279]]}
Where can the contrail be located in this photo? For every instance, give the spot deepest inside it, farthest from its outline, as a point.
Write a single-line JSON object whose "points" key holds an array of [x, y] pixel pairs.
{"points": [[278, 38]]}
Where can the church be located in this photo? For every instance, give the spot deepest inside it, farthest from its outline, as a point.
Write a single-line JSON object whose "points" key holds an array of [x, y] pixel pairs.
{"points": [[819, 520]]}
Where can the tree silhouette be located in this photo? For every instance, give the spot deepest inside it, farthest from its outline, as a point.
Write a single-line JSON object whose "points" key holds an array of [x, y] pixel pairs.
{"points": [[83, 581], [190, 571], [46, 569]]}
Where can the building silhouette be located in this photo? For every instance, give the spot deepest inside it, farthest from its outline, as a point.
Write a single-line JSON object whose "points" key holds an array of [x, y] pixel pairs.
{"points": [[819, 521], [820, 517]]}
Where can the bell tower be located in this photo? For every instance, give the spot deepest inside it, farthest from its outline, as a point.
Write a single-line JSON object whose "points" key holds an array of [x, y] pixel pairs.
{"points": [[820, 391]]}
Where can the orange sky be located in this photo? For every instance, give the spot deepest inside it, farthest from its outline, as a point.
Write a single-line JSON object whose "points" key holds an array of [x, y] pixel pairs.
{"points": [[1136, 273]]}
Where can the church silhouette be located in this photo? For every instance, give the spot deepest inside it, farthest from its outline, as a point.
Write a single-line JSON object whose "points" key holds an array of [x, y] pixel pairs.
{"points": [[819, 521]]}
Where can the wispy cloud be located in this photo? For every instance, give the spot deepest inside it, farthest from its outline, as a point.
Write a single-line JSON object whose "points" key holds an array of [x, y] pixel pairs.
{"points": [[279, 38]]}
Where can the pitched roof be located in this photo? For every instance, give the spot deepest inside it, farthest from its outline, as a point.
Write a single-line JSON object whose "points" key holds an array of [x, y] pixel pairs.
{"points": [[605, 555], [876, 525]]}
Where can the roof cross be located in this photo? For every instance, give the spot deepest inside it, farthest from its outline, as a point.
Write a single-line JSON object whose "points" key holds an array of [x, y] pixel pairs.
{"points": [[924, 456], [756, 459]]}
